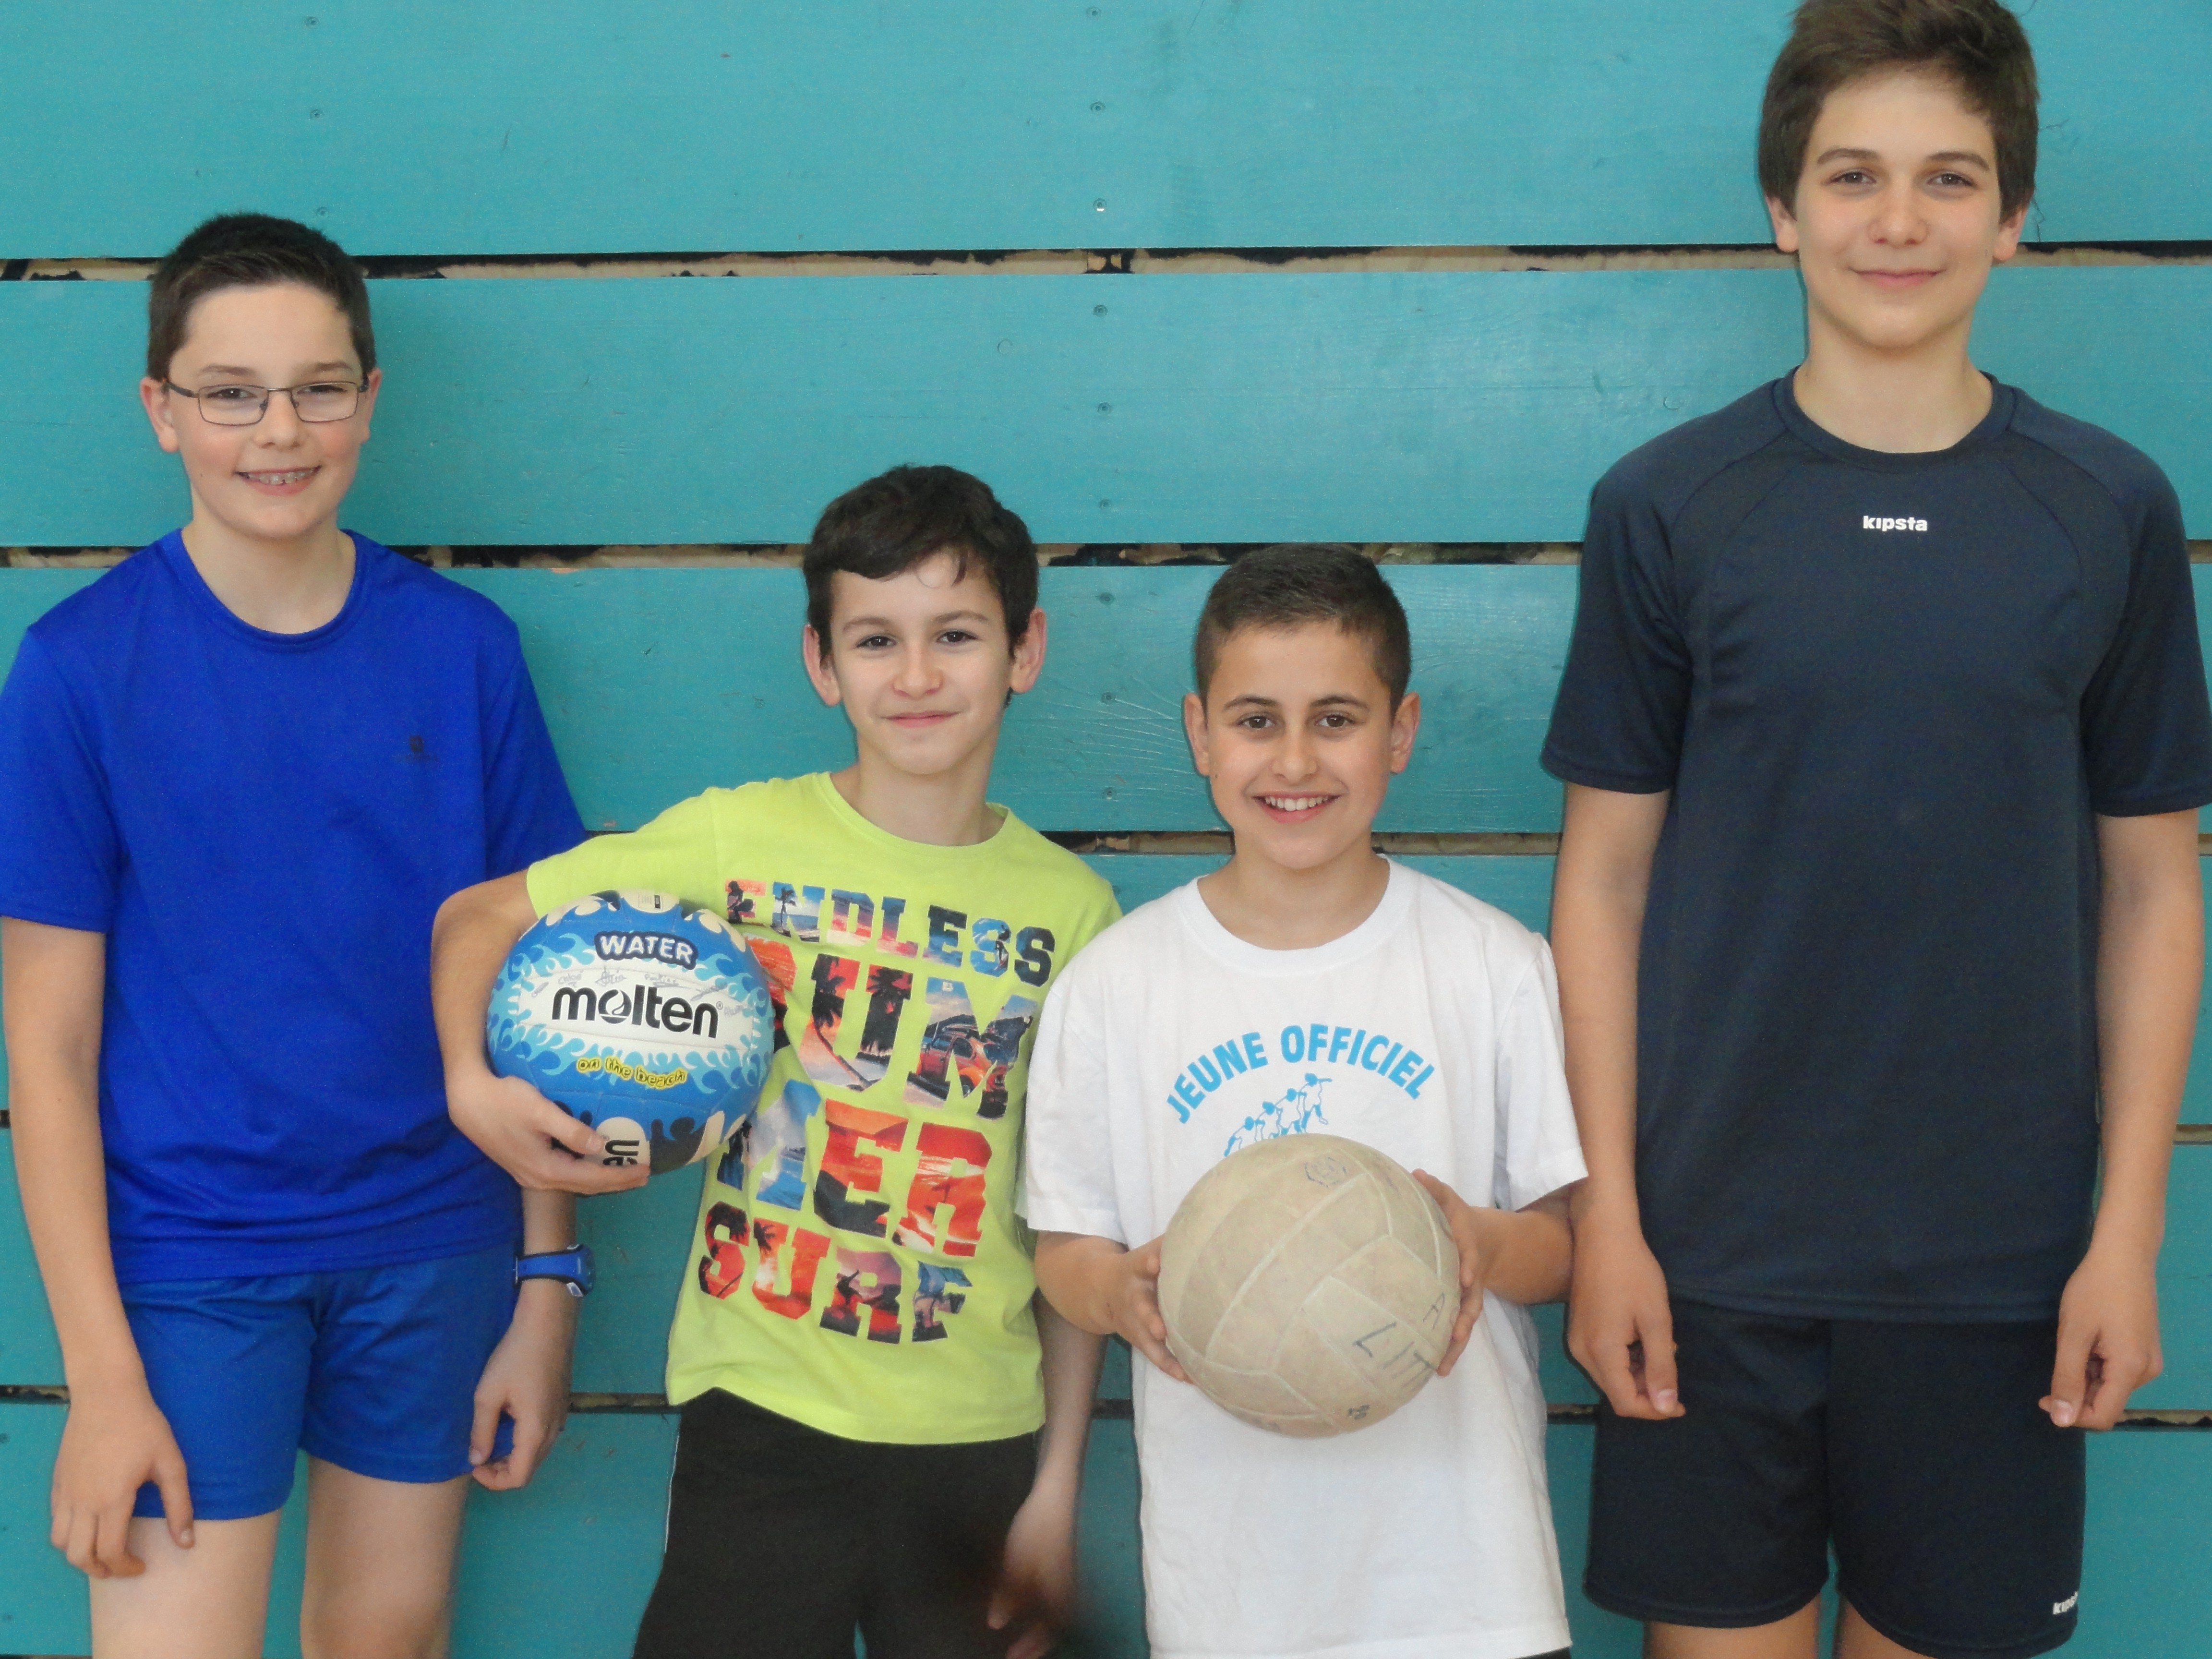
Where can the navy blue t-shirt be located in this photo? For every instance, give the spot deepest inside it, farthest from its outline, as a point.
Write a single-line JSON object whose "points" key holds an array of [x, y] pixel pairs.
{"points": [[263, 826], [1889, 692]]}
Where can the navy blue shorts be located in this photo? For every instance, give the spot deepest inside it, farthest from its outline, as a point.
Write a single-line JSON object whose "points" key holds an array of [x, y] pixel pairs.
{"points": [[373, 1369], [1914, 1451]]}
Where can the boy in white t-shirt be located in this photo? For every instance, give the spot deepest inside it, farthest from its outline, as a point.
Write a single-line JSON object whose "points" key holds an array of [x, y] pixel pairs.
{"points": [[1311, 984]]}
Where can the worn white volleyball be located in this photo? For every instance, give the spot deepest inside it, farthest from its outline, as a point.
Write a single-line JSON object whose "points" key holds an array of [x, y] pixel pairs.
{"points": [[1309, 1285]]}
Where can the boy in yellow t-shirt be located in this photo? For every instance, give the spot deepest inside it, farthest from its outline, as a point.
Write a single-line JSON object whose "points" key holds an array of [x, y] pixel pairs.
{"points": [[858, 1351]]}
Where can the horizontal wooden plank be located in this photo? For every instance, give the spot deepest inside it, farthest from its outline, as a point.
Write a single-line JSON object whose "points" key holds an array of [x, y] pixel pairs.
{"points": [[29, 1353], [647, 706], [2185, 1265], [567, 127], [649, 701], [1361, 406]]}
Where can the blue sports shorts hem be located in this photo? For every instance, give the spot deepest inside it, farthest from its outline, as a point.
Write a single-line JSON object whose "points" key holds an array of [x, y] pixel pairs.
{"points": [[373, 1369]]}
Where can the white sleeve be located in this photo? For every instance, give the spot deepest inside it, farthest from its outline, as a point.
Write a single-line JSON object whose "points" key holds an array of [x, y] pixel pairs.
{"points": [[1067, 1141], [1539, 1150]]}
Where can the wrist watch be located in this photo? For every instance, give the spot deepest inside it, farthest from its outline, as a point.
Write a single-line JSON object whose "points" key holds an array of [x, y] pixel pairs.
{"points": [[572, 1266]]}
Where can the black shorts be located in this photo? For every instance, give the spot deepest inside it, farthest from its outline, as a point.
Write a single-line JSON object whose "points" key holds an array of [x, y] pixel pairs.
{"points": [[1917, 1451], [782, 1540]]}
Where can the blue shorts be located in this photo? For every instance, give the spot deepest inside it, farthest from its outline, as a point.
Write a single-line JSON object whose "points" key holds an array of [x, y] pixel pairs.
{"points": [[373, 1369]]}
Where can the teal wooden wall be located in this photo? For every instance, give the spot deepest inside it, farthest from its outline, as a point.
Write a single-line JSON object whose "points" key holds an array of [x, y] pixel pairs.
{"points": [[563, 392]]}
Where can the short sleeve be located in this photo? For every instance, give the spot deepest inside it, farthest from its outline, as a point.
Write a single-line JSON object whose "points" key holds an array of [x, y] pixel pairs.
{"points": [[61, 854], [528, 813], [2146, 725], [1068, 1144], [1539, 1150], [677, 852], [1617, 719]]}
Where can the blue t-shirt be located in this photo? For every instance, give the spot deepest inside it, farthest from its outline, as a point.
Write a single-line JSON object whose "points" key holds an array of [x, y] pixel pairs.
{"points": [[263, 826], [1889, 692]]}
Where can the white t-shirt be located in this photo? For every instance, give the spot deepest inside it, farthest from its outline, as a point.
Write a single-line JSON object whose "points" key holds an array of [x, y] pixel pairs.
{"points": [[1431, 1032]]}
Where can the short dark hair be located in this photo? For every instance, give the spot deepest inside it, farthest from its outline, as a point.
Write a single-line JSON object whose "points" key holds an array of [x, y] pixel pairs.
{"points": [[1979, 45], [1294, 584], [900, 517], [250, 250]]}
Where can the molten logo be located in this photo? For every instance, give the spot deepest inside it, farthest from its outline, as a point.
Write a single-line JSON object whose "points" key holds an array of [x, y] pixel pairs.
{"points": [[641, 1005], [1869, 522]]}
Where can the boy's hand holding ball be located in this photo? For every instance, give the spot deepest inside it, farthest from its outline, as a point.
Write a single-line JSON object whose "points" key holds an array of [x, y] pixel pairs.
{"points": [[1130, 1284], [1470, 1232], [1100, 1287], [546, 1149]]}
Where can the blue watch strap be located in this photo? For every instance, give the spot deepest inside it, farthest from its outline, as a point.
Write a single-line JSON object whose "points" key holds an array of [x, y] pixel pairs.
{"points": [[573, 1267]]}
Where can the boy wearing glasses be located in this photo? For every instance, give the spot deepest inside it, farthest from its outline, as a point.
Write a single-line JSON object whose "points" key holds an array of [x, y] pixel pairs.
{"points": [[237, 775]]}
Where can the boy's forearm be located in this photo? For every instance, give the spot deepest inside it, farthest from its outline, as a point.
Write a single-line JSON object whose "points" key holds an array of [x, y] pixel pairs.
{"points": [[1597, 925], [549, 1222], [1070, 1360], [1528, 1256], [53, 979], [469, 944], [2150, 966], [1069, 1277]]}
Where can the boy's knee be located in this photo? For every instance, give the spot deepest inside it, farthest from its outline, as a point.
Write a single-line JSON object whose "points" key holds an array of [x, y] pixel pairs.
{"points": [[386, 1623]]}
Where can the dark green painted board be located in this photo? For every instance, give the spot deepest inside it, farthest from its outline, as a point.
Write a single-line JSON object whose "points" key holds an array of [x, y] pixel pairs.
{"points": [[567, 127], [1369, 406]]}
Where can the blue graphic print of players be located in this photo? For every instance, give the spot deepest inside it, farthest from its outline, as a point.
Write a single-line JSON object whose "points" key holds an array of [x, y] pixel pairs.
{"points": [[1297, 1111]]}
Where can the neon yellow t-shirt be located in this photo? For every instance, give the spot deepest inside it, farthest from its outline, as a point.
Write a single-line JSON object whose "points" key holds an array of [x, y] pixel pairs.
{"points": [[858, 1265]]}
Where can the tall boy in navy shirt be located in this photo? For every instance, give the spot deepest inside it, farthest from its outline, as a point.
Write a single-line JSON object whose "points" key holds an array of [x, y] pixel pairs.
{"points": [[238, 775], [1884, 729]]}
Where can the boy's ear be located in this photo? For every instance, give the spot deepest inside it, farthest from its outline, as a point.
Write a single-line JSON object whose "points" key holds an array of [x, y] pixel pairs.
{"points": [[1028, 653], [819, 668], [371, 383], [1194, 727], [1404, 724], [2010, 231], [1785, 224], [155, 395]]}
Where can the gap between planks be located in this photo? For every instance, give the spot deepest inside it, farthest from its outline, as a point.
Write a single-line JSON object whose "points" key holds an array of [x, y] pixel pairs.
{"points": [[1111, 262], [1111, 1409], [567, 559]]}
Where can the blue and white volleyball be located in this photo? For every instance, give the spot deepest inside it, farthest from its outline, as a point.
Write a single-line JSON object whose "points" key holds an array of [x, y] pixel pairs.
{"points": [[643, 1016]]}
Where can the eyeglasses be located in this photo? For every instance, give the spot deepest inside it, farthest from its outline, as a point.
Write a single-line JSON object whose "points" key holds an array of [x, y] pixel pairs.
{"points": [[245, 405]]}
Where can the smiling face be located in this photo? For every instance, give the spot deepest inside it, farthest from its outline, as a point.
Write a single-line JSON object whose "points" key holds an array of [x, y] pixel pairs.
{"points": [[1298, 736], [922, 664], [281, 480], [1897, 222]]}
